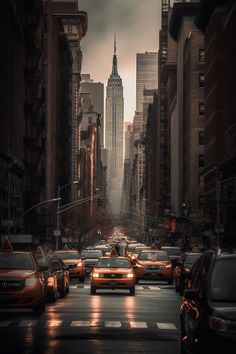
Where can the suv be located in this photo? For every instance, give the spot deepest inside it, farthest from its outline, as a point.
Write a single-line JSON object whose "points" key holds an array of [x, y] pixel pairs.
{"points": [[208, 308]]}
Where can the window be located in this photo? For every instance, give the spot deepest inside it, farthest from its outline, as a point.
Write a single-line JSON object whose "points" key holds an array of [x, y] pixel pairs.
{"points": [[201, 109], [201, 180], [201, 138], [201, 56], [70, 29], [201, 80], [201, 161], [201, 201]]}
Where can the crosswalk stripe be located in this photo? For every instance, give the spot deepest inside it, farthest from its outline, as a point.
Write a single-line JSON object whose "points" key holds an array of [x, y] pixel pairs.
{"points": [[113, 324], [79, 324], [73, 286], [4, 323], [86, 286], [154, 288], [54, 323], [162, 325], [139, 287], [138, 324], [26, 323]]}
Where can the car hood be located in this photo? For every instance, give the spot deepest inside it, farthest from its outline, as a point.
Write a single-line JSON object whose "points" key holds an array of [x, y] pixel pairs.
{"points": [[71, 261], [15, 273], [112, 270], [157, 263], [224, 310]]}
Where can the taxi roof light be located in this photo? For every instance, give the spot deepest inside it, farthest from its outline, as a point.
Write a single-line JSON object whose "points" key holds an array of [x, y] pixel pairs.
{"points": [[39, 252], [7, 246]]}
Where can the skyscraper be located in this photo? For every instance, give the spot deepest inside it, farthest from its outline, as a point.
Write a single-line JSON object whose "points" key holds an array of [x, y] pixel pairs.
{"points": [[146, 76], [114, 136]]}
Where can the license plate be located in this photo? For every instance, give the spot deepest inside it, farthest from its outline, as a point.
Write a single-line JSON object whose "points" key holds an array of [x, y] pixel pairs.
{"points": [[5, 297], [113, 283], [153, 274]]}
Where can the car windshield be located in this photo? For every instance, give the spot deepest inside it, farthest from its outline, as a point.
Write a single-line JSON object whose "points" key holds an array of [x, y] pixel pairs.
{"points": [[138, 250], [190, 259], [16, 261], [153, 256], [91, 254], [223, 284], [172, 251], [68, 255], [113, 263], [42, 261]]}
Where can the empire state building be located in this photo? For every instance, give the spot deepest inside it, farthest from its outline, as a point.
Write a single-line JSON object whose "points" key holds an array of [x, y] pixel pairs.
{"points": [[114, 136]]}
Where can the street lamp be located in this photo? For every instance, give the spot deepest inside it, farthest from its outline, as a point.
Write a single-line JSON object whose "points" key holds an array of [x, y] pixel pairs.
{"points": [[59, 188], [35, 206]]}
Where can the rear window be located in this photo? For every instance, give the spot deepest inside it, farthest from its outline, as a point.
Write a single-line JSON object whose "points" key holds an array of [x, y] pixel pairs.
{"points": [[68, 255], [223, 280], [16, 261], [153, 256], [113, 263], [191, 259], [172, 251], [91, 254]]}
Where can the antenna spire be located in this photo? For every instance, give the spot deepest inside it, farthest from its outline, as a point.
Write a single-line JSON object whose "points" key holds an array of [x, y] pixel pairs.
{"points": [[114, 62], [114, 44]]}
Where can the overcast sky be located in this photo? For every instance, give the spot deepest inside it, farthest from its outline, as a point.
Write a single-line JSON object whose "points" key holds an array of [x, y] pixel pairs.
{"points": [[136, 24]]}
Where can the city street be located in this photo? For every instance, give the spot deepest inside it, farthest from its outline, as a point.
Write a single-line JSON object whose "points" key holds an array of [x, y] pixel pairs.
{"points": [[108, 322]]}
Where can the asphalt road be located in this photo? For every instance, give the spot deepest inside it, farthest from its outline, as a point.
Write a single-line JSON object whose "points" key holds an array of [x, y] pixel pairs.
{"points": [[108, 322]]}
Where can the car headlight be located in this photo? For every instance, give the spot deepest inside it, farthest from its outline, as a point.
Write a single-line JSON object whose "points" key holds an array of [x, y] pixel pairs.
{"points": [[129, 275], [79, 264], [31, 281], [168, 266], [97, 275], [219, 324]]}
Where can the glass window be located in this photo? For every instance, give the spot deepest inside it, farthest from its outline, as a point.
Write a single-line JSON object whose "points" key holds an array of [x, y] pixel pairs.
{"points": [[201, 56], [70, 29], [16, 261], [68, 255], [201, 180], [201, 80], [201, 161], [191, 259], [201, 136], [221, 290], [201, 109], [153, 256], [113, 263], [201, 201]]}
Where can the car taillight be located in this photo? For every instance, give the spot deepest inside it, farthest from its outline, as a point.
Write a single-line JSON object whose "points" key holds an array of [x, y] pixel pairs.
{"points": [[50, 281]]}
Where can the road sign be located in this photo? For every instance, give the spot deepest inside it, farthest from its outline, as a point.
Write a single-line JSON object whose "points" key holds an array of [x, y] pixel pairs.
{"points": [[57, 232]]}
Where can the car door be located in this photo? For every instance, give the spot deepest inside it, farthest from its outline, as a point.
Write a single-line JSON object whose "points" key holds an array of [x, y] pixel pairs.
{"points": [[58, 271]]}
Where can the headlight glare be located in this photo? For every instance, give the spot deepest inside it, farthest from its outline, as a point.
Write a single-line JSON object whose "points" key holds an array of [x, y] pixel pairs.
{"points": [[31, 281]]}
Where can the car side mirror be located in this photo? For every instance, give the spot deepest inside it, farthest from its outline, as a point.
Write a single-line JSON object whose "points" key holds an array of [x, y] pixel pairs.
{"points": [[191, 294]]}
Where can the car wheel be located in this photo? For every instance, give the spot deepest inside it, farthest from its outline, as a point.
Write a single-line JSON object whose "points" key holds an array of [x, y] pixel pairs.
{"points": [[92, 290], [62, 292], [81, 279], [39, 308], [132, 291], [136, 281], [170, 281], [67, 289]]}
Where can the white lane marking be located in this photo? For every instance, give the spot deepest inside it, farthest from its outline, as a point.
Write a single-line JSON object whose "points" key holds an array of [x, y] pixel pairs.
{"points": [[4, 323], [139, 287], [138, 324], [54, 323], [26, 323], [115, 324], [86, 286], [79, 324], [166, 325], [73, 286], [154, 288]]}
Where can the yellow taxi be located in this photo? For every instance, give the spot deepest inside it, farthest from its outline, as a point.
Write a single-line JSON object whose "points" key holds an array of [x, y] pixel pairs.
{"points": [[113, 272], [135, 252], [21, 283], [74, 261], [154, 264]]}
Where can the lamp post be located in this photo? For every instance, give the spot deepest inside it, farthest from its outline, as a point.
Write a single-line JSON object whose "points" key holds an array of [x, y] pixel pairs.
{"points": [[218, 184], [59, 188]]}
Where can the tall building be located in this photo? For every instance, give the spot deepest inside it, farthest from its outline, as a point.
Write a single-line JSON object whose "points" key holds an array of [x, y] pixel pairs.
{"points": [[96, 89], [114, 136], [146, 76]]}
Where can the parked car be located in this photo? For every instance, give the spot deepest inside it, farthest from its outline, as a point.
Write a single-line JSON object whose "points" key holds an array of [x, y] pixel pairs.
{"points": [[153, 265], [21, 282], [183, 268], [173, 252], [74, 261], [208, 308], [56, 276], [113, 272]]}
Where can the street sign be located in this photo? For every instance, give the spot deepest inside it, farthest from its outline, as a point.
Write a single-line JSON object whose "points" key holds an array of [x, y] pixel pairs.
{"points": [[57, 233]]}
